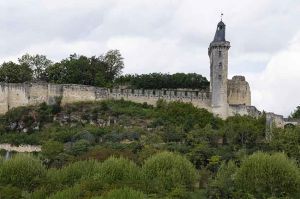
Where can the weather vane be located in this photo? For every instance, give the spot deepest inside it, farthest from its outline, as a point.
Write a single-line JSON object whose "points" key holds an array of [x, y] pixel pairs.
{"points": [[222, 16]]}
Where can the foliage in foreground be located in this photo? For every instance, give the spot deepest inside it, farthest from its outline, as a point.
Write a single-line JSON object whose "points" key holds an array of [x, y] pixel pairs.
{"points": [[124, 193], [264, 175], [167, 171], [92, 148]]}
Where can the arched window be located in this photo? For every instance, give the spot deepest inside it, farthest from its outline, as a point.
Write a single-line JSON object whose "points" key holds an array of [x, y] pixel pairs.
{"points": [[220, 53]]}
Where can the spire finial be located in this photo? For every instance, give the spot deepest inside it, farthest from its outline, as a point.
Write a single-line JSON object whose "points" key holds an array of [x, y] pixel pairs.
{"points": [[222, 16]]}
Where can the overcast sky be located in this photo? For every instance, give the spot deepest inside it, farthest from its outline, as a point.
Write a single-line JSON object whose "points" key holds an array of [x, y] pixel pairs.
{"points": [[167, 36]]}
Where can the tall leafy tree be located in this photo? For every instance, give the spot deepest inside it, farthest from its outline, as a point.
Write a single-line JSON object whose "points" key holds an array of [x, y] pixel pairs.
{"points": [[37, 63], [264, 176], [115, 64], [296, 113], [11, 72]]}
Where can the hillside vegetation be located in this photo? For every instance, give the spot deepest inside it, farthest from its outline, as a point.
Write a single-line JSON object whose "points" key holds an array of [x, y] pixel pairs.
{"points": [[121, 149]]}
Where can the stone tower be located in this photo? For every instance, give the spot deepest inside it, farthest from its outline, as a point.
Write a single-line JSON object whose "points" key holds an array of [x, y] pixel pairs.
{"points": [[218, 54]]}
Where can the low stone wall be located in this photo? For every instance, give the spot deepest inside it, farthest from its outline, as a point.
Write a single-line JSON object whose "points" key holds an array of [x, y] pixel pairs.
{"points": [[21, 148]]}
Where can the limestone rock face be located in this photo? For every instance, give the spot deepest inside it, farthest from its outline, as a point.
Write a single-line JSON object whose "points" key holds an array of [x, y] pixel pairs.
{"points": [[238, 91]]}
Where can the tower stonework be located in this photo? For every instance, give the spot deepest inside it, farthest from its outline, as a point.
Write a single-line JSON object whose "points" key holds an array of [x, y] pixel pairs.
{"points": [[218, 54]]}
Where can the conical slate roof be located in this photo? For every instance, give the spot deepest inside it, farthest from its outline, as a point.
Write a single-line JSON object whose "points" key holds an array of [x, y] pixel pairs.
{"points": [[220, 32]]}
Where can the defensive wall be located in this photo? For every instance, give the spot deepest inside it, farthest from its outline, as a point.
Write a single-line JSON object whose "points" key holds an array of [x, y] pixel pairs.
{"points": [[24, 94], [15, 95]]}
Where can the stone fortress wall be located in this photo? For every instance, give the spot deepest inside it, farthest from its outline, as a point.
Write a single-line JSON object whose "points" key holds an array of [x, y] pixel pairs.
{"points": [[16, 95]]}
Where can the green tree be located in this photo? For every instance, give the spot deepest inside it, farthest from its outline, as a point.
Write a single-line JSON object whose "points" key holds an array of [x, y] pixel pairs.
{"points": [[167, 81], [118, 171], [296, 113], [124, 193], [184, 115], [114, 63], [166, 171], [80, 147], [67, 193], [79, 69], [222, 186], [37, 63], [70, 174], [244, 131], [22, 171], [287, 141], [264, 175], [11, 72], [56, 73], [51, 149], [10, 192]]}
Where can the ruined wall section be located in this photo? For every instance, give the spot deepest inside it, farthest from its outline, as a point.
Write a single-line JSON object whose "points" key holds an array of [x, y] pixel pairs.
{"points": [[239, 91], [243, 110]]}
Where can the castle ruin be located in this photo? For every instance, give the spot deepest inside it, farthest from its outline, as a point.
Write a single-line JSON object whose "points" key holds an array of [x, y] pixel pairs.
{"points": [[226, 97]]}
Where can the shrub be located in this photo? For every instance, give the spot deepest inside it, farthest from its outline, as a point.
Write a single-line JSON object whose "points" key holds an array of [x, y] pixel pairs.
{"points": [[118, 171], [264, 175], [124, 193], [68, 193], [80, 147], [22, 171], [10, 192], [166, 171], [51, 149], [69, 175], [223, 184]]}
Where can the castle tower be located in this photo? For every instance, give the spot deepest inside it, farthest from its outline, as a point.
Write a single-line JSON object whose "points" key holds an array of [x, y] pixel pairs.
{"points": [[218, 54]]}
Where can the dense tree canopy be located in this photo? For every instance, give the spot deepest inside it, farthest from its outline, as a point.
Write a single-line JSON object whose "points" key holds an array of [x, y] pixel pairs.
{"points": [[37, 63], [159, 81], [79, 69], [103, 71], [76, 69], [11, 72]]}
